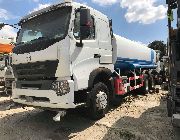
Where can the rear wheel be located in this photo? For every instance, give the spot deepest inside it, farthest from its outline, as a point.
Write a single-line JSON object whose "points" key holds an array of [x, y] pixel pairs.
{"points": [[99, 102], [145, 88], [157, 90], [151, 85]]}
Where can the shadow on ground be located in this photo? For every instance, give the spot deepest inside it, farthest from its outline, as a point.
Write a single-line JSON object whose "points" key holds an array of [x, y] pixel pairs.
{"points": [[38, 125], [153, 124]]}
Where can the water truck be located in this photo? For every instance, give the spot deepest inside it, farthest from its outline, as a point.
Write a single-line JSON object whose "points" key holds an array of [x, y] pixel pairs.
{"points": [[67, 56]]}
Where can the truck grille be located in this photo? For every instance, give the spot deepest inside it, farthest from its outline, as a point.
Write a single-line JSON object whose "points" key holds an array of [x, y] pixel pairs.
{"points": [[36, 71]]}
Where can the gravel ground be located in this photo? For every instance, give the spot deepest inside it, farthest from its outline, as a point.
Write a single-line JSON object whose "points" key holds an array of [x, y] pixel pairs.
{"points": [[138, 118]]}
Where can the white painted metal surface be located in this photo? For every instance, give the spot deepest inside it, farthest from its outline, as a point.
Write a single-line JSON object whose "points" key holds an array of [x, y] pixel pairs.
{"points": [[132, 52], [64, 102]]}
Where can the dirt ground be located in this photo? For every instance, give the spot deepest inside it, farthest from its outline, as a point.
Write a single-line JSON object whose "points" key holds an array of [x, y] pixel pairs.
{"points": [[138, 118]]}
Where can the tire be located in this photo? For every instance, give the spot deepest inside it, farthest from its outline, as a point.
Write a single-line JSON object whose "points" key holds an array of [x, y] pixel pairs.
{"points": [[157, 90], [164, 87], [160, 81], [145, 88], [99, 102], [151, 84]]}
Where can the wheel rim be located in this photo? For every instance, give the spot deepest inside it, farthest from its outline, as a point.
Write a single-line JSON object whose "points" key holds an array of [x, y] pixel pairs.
{"points": [[101, 100]]}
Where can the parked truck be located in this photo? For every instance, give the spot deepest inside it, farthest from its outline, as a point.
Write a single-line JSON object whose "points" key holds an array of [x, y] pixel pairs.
{"points": [[173, 101], [6, 74], [67, 56]]}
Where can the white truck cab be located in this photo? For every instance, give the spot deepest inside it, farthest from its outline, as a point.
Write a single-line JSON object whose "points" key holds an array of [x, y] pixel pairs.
{"points": [[67, 56], [56, 57]]}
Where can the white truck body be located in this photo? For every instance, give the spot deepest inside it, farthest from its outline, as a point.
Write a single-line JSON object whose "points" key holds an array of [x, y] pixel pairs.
{"points": [[8, 75], [74, 66], [132, 53], [2, 63]]}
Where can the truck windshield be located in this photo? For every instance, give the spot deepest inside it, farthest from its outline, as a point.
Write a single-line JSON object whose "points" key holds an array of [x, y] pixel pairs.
{"points": [[50, 25]]}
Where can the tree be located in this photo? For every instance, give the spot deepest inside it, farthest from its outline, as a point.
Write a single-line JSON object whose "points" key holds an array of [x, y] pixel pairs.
{"points": [[158, 45]]}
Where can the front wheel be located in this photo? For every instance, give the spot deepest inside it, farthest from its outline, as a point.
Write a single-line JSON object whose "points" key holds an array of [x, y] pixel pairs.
{"points": [[99, 102]]}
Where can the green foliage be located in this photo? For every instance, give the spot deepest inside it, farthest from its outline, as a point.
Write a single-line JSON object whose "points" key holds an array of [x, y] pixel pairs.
{"points": [[158, 45]]}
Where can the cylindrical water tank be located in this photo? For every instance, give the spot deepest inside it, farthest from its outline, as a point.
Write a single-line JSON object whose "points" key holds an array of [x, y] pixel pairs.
{"points": [[129, 54]]}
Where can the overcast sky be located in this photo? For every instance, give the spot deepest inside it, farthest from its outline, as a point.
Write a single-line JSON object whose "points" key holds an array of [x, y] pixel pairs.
{"points": [[139, 20]]}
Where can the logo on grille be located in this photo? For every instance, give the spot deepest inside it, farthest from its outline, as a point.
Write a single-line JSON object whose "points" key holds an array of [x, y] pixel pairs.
{"points": [[28, 58]]}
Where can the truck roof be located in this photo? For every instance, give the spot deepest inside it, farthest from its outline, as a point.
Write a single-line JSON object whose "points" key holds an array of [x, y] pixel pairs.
{"points": [[60, 4]]}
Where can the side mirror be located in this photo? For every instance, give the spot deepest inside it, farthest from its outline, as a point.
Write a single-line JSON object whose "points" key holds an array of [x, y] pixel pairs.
{"points": [[85, 24]]}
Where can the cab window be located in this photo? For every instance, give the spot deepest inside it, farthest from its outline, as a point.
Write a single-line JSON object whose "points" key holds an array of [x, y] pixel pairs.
{"points": [[77, 27]]}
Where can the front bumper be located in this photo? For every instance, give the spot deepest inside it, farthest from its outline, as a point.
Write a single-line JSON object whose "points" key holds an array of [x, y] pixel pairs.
{"points": [[44, 98]]}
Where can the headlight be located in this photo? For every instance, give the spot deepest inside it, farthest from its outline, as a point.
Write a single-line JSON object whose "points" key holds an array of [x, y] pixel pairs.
{"points": [[61, 87]]}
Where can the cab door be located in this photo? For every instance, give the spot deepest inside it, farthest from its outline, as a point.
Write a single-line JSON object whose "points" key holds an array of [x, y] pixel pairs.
{"points": [[86, 58], [90, 44], [104, 41]]}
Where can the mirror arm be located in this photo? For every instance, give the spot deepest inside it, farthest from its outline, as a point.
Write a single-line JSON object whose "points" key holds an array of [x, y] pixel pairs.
{"points": [[80, 44]]}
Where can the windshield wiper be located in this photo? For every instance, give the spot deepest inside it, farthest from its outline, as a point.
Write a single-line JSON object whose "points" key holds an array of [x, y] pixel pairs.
{"points": [[38, 39]]}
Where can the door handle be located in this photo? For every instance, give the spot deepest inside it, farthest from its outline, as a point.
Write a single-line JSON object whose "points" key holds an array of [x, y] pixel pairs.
{"points": [[97, 55]]}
